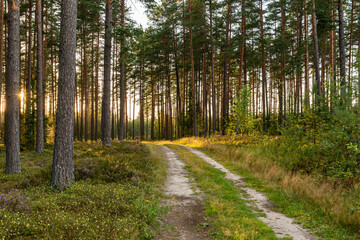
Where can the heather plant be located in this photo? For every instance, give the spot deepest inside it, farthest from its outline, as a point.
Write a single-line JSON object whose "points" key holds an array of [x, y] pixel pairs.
{"points": [[115, 195], [14, 201]]}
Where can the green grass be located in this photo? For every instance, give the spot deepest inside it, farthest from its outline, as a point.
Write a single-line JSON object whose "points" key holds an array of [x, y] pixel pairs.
{"points": [[115, 195], [286, 200], [232, 218]]}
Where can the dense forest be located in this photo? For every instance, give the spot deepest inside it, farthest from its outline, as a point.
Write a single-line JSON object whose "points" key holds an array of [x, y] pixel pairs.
{"points": [[200, 68], [268, 88]]}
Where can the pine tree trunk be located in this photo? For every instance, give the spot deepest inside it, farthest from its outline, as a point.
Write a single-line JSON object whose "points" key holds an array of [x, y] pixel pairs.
{"points": [[122, 78], [212, 73], [316, 56], [106, 115], [333, 63], [242, 48], [12, 113], [263, 65], [28, 110], [204, 81], [39, 82], [152, 104], [342, 52], [1, 57], [63, 166], [192, 73], [141, 95], [92, 117], [298, 68], [225, 88], [282, 98], [97, 82], [306, 74]]}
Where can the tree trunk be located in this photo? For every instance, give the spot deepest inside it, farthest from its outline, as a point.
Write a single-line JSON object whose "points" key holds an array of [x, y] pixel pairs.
{"points": [[97, 82], [192, 73], [106, 115], [28, 110], [263, 65], [307, 88], [316, 56], [282, 78], [122, 78], [212, 73], [39, 82], [1, 57], [152, 104], [204, 80], [63, 166], [225, 100], [12, 114], [242, 48], [342, 52]]}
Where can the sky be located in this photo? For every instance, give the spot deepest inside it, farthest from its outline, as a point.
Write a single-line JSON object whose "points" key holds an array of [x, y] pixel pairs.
{"points": [[138, 13]]}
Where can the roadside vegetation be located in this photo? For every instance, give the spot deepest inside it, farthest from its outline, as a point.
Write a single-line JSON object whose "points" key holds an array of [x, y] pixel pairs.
{"points": [[115, 195], [328, 207]]}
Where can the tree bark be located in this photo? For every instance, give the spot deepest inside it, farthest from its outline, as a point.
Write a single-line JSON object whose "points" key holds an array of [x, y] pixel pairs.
{"points": [[263, 65], [225, 99], [106, 115], [192, 72], [212, 72], [1, 56], [307, 89], [122, 78], [28, 110], [12, 114], [63, 166], [342, 51], [282, 77], [316, 56], [39, 82]]}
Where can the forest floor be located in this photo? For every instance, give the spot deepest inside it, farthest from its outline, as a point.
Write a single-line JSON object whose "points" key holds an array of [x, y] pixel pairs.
{"points": [[189, 189], [116, 194]]}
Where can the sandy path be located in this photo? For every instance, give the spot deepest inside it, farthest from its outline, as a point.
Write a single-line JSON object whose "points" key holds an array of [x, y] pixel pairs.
{"points": [[186, 214], [282, 225]]}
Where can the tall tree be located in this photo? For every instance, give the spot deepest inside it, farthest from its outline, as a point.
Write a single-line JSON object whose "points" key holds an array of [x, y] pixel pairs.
{"points": [[263, 66], [316, 56], [1, 54], [106, 118], [192, 72], [12, 114], [39, 82], [122, 76], [225, 77], [342, 50], [212, 70], [28, 110], [63, 163]]}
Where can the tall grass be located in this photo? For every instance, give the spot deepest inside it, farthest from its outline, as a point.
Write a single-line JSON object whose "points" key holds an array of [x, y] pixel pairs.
{"points": [[338, 202]]}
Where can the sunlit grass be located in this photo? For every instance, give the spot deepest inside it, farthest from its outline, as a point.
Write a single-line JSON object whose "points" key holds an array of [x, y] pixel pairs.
{"points": [[330, 211]]}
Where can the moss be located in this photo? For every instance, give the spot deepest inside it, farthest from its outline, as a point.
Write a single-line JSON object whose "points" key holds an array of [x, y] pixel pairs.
{"points": [[115, 195]]}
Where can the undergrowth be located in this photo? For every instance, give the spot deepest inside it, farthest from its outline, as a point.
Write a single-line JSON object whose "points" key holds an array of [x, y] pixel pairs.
{"points": [[332, 210], [114, 196]]}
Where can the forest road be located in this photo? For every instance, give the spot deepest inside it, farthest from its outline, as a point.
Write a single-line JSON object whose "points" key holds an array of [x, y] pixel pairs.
{"points": [[282, 225], [185, 218]]}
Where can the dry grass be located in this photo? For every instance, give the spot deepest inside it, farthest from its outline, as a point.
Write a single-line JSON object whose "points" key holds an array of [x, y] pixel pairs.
{"points": [[335, 202]]}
